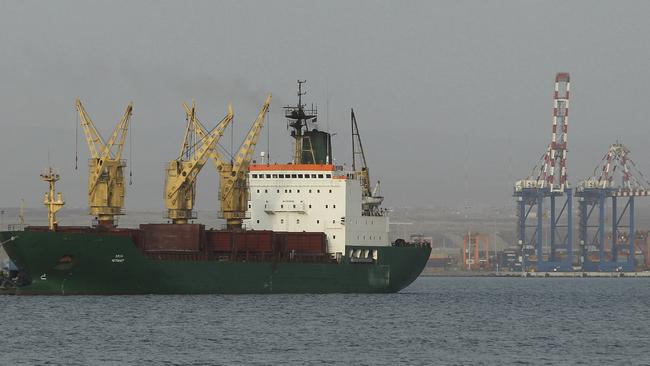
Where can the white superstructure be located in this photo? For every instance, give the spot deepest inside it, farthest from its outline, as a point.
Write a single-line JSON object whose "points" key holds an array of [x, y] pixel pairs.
{"points": [[313, 198]]}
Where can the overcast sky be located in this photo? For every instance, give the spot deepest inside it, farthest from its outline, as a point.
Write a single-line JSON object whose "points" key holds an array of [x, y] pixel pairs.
{"points": [[453, 98]]}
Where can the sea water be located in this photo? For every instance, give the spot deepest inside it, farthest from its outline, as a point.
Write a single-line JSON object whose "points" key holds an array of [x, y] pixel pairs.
{"points": [[435, 321]]}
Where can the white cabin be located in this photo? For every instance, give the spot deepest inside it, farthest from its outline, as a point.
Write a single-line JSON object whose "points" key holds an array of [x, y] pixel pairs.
{"points": [[313, 198]]}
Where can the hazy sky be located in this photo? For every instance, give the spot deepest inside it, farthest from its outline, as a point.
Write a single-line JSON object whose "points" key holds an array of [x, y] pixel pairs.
{"points": [[453, 98]]}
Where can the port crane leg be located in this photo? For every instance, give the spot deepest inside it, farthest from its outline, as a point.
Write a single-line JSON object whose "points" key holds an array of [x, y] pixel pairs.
{"points": [[540, 230], [569, 259], [631, 236], [614, 240], [551, 255], [601, 231]]}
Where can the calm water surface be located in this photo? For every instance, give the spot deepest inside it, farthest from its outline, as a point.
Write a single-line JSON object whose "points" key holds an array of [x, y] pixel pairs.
{"points": [[436, 321]]}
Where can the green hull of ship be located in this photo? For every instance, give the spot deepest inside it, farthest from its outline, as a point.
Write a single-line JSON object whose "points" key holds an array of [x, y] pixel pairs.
{"points": [[102, 264]]}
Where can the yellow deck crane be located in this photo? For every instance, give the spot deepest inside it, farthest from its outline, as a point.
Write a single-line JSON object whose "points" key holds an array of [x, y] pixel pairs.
{"points": [[106, 168], [233, 175], [180, 182]]}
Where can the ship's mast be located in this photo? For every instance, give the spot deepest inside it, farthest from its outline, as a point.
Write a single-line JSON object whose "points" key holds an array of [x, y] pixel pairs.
{"points": [[52, 200], [311, 145]]}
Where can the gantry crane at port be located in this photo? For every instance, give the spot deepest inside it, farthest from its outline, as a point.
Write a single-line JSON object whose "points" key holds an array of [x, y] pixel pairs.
{"points": [[105, 168], [233, 175], [181, 173], [548, 182], [618, 179], [371, 200]]}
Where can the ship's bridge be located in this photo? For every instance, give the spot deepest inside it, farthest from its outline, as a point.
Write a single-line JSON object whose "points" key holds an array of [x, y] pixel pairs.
{"points": [[313, 198]]}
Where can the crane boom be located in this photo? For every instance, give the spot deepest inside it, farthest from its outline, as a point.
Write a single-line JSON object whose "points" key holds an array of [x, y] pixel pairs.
{"points": [[106, 169], [201, 131], [371, 198], [356, 140], [234, 175], [93, 138], [180, 185], [245, 153]]}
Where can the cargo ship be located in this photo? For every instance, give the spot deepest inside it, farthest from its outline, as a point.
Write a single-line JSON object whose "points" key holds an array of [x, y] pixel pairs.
{"points": [[306, 226]]}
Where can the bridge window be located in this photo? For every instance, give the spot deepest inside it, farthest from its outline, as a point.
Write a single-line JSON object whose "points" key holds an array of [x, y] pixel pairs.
{"points": [[254, 175], [299, 175], [274, 175], [294, 176], [328, 176], [313, 175], [281, 175], [320, 176], [268, 175]]}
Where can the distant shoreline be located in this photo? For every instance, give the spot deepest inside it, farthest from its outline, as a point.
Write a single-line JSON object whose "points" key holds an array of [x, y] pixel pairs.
{"points": [[577, 274]]}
